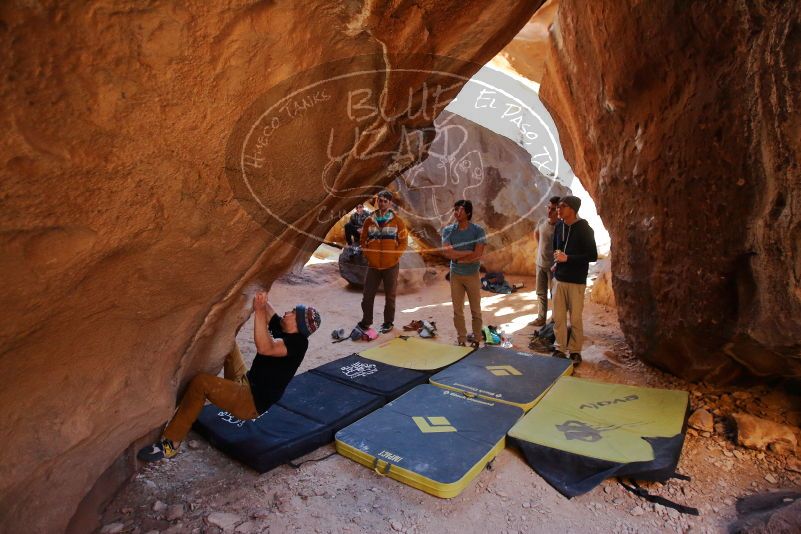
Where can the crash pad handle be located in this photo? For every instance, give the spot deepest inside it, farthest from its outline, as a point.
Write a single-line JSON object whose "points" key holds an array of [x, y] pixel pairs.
{"points": [[387, 467]]}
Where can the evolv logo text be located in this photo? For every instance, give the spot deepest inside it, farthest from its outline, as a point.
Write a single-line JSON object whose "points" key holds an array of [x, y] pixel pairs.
{"points": [[601, 404]]}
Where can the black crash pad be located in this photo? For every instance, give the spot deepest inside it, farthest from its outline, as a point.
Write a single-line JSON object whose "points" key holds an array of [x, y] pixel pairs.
{"points": [[504, 375], [372, 376], [311, 410], [431, 438], [327, 401]]}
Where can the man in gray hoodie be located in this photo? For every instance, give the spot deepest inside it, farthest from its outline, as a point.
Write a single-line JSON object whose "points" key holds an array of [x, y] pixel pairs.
{"points": [[574, 249]]}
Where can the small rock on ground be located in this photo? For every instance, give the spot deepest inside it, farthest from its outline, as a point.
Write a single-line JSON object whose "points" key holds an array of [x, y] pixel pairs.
{"points": [[702, 421], [224, 520], [176, 511], [793, 464], [248, 527]]}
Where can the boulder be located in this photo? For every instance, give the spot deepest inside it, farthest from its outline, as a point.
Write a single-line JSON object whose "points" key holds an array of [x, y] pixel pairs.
{"points": [[509, 194], [761, 434], [162, 163], [413, 273], [525, 54], [768, 513], [680, 122], [602, 291]]}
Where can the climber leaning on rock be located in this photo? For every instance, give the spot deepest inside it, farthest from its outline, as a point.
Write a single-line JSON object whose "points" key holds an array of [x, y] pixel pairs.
{"points": [[281, 343]]}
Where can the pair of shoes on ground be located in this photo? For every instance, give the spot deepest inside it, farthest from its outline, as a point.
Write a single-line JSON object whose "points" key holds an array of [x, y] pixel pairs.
{"points": [[575, 357], [471, 343], [158, 451], [339, 334], [539, 321], [386, 327]]}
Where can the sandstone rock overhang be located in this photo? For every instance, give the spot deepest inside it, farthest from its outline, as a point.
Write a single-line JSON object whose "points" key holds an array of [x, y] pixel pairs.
{"points": [[682, 122], [127, 260]]}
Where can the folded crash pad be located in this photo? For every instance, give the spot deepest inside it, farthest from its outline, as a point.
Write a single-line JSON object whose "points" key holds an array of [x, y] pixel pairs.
{"points": [[325, 401], [416, 353], [372, 376], [432, 439], [311, 410], [504, 375], [583, 431]]}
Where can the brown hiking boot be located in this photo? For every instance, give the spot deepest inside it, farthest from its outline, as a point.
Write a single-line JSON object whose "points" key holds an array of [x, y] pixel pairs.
{"points": [[539, 321]]}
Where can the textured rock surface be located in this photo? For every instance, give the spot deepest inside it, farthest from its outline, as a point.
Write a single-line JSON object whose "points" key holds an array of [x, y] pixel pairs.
{"points": [[468, 161], [682, 121], [525, 54], [602, 291], [761, 434], [127, 262], [701, 420], [773, 513]]}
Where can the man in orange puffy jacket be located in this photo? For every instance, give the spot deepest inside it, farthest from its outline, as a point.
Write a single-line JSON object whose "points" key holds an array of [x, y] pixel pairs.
{"points": [[383, 240]]}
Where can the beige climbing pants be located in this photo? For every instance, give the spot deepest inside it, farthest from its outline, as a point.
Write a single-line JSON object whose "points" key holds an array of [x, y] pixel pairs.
{"points": [[568, 299]]}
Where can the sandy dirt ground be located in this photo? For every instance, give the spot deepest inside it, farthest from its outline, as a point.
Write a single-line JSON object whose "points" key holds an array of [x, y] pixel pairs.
{"points": [[201, 490]]}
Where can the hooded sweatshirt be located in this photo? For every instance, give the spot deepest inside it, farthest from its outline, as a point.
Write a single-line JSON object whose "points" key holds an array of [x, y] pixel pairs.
{"points": [[578, 242]]}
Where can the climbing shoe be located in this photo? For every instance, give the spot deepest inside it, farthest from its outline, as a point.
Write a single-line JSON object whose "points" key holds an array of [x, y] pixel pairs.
{"points": [[386, 327], [559, 354], [539, 321], [158, 451], [575, 357]]}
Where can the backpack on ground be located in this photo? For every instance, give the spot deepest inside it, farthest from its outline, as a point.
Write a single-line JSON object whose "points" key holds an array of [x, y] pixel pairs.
{"points": [[543, 339]]}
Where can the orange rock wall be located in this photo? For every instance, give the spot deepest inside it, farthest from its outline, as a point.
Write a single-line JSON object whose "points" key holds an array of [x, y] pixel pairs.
{"points": [[682, 121], [526, 53], [127, 263]]}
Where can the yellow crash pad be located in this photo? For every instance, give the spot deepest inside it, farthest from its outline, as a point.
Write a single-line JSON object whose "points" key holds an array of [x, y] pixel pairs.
{"points": [[416, 353]]}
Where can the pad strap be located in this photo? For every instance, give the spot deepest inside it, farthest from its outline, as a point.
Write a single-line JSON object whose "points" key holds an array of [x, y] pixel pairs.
{"points": [[657, 499]]}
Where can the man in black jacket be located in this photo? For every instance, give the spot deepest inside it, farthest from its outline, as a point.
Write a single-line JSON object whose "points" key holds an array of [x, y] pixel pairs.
{"points": [[353, 228], [574, 249]]}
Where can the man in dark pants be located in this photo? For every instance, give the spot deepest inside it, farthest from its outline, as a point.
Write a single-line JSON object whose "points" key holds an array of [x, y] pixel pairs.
{"points": [[383, 240], [353, 228], [574, 249], [281, 343]]}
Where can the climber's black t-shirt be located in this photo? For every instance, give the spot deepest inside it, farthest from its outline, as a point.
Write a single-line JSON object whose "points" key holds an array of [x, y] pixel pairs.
{"points": [[269, 375]]}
